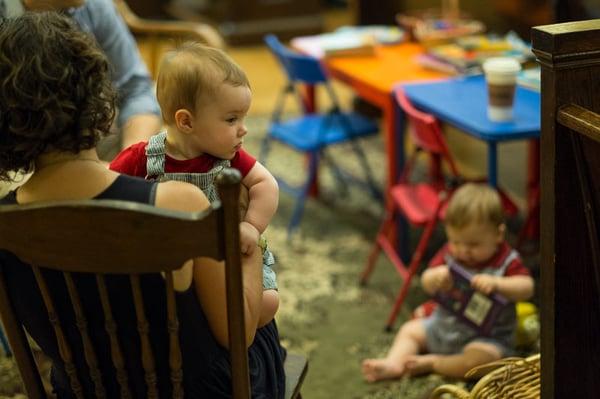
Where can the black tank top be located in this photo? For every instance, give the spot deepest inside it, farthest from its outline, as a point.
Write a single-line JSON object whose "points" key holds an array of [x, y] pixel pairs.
{"points": [[206, 368]]}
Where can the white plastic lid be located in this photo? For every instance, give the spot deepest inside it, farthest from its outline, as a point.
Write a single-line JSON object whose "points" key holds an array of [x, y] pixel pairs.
{"points": [[501, 65]]}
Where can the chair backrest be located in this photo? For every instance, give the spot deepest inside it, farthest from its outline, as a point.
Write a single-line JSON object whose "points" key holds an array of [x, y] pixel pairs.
{"points": [[278, 49], [299, 68], [425, 131], [101, 243]]}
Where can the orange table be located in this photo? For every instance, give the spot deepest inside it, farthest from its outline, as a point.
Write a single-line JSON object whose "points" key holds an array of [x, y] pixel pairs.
{"points": [[373, 78]]}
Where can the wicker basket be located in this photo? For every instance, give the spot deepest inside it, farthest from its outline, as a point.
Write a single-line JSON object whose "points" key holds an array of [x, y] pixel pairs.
{"points": [[512, 377]]}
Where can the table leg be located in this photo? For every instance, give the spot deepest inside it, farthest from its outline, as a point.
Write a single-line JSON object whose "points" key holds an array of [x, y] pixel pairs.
{"points": [[395, 127], [395, 121], [492, 164], [533, 189]]}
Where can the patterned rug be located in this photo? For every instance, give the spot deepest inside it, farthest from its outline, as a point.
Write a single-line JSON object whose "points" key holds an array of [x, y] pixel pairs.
{"points": [[324, 312]]}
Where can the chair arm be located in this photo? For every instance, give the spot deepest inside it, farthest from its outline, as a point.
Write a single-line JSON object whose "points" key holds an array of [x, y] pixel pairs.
{"points": [[199, 31]]}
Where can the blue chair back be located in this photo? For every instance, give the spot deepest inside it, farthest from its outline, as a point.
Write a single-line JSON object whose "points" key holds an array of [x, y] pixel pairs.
{"points": [[278, 49], [299, 67]]}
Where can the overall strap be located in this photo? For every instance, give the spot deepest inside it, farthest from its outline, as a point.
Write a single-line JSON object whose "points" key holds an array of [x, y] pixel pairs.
{"points": [[507, 261], [155, 155], [205, 181]]}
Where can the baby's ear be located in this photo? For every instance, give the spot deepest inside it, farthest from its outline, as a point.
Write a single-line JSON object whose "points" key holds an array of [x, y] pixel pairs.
{"points": [[184, 120]]}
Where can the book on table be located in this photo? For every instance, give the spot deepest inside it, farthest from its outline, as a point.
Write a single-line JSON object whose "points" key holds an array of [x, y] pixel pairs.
{"points": [[349, 41], [472, 307], [530, 78]]}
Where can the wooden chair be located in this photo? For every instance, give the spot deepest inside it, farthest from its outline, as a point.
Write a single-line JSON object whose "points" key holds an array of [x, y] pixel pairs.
{"points": [[155, 32], [109, 238]]}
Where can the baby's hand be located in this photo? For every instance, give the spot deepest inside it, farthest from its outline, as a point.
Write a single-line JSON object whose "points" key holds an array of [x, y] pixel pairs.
{"points": [[442, 279], [484, 283], [249, 236]]}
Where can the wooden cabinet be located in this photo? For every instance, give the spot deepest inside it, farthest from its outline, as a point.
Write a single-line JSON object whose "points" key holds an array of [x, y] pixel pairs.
{"points": [[247, 21], [241, 21], [149, 8], [569, 55]]}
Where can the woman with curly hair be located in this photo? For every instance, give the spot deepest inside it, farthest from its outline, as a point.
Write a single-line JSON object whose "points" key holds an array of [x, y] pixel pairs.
{"points": [[56, 101]]}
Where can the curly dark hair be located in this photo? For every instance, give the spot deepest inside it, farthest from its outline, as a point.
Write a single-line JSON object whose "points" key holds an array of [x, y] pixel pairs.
{"points": [[55, 90]]}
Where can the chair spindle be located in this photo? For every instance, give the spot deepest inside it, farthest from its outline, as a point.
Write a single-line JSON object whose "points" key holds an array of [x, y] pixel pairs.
{"points": [[63, 346], [143, 329], [88, 348], [111, 329], [174, 349]]}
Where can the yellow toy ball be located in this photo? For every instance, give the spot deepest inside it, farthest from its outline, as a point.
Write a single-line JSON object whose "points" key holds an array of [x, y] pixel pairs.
{"points": [[528, 324]]}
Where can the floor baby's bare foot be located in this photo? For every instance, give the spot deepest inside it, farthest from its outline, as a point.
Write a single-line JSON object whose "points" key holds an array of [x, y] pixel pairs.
{"points": [[381, 369]]}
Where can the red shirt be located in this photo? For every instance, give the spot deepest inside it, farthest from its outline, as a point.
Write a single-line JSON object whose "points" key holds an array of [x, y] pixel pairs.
{"points": [[515, 268], [132, 161]]}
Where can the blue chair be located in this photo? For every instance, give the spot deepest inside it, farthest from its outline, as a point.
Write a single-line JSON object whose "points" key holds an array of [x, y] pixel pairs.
{"points": [[313, 133]]}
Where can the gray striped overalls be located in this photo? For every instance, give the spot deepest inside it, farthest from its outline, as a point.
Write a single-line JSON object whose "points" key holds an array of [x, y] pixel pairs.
{"points": [[155, 169]]}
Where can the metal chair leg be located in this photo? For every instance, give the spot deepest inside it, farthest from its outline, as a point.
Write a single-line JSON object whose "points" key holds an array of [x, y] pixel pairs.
{"points": [[411, 271], [301, 195], [383, 233], [362, 158], [265, 147]]}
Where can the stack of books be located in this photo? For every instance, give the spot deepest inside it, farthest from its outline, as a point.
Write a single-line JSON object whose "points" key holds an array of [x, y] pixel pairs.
{"points": [[466, 55]]}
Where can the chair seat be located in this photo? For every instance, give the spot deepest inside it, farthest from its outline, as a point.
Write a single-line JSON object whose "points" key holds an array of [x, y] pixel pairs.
{"points": [[417, 202], [314, 131], [295, 367]]}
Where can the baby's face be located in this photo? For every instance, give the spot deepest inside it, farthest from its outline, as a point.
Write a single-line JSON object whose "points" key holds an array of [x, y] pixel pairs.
{"points": [[474, 243], [218, 126]]}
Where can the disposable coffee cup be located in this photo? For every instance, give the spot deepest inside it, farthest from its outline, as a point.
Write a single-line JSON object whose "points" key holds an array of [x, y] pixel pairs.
{"points": [[501, 78]]}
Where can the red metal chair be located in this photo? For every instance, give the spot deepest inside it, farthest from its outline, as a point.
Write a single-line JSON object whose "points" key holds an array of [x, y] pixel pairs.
{"points": [[422, 204]]}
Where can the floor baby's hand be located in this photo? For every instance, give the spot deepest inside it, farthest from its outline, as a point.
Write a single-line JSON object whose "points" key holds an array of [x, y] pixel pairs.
{"points": [[484, 283], [438, 279]]}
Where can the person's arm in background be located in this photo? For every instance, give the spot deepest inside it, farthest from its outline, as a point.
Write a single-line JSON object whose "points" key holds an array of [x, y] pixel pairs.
{"points": [[139, 114]]}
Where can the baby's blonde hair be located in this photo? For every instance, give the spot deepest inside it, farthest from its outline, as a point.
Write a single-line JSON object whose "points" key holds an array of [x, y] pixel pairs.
{"points": [[474, 203], [192, 72]]}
